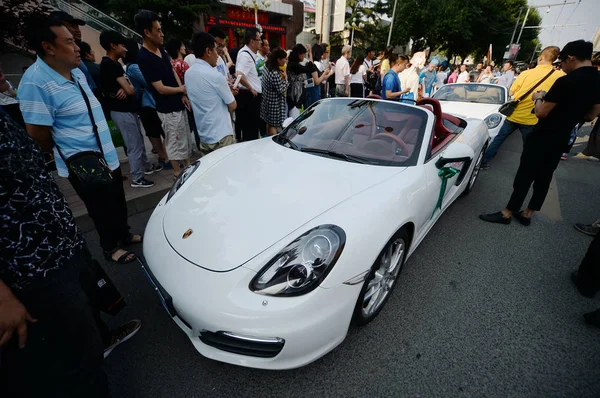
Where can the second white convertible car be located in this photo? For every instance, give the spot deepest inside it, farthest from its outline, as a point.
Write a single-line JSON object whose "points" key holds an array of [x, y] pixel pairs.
{"points": [[264, 252], [475, 100]]}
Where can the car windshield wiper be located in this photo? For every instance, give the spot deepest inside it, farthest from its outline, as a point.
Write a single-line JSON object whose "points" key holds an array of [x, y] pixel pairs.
{"points": [[358, 103], [285, 140], [338, 155]]}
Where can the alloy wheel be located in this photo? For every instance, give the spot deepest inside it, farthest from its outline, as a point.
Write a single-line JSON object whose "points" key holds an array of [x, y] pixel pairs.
{"points": [[381, 284]]}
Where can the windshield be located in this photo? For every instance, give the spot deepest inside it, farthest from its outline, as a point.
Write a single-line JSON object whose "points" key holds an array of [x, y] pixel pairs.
{"points": [[363, 131], [472, 92]]}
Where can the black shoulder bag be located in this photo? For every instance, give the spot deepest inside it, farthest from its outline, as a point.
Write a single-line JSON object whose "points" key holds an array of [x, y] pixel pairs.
{"points": [[88, 167], [509, 107]]}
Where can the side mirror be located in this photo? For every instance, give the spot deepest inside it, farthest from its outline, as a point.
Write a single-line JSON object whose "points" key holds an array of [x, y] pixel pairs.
{"points": [[456, 152], [287, 122]]}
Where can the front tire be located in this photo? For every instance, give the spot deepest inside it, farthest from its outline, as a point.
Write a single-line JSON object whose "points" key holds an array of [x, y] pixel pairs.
{"points": [[381, 280]]}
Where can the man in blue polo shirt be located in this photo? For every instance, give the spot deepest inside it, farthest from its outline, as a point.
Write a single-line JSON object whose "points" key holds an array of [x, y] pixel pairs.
{"points": [[210, 96], [391, 89], [52, 99]]}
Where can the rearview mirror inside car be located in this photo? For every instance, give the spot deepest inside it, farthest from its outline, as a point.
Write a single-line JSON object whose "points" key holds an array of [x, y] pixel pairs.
{"points": [[456, 152]]}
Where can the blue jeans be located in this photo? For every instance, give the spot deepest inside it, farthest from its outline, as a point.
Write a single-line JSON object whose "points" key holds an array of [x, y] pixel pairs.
{"points": [[313, 94], [507, 129]]}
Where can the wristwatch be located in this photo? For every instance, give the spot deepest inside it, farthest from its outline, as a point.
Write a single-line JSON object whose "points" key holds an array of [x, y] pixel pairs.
{"points": [[538, 99]]}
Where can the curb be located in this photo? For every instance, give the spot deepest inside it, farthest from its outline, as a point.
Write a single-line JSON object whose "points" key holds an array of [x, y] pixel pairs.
{"points": [[134, 206]]}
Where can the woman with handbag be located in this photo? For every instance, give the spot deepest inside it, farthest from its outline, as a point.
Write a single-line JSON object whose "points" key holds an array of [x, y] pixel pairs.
{"points": [[274, 85]]}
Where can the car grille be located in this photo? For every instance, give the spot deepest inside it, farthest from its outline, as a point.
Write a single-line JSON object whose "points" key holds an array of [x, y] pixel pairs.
{"points": [[250, 346]]}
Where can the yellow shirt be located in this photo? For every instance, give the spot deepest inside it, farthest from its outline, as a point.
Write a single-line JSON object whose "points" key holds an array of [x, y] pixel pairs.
{"points": [[385, 66], [526, 80]]}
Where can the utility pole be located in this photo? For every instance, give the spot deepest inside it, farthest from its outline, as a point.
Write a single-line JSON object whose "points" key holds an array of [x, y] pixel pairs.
{"points": [[540, 6], [516, 26], [392, 23], [523, 26]]}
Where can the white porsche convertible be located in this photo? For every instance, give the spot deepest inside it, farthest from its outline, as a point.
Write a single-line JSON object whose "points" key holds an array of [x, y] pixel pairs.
{"points": [[476, 100], [264, 252]]}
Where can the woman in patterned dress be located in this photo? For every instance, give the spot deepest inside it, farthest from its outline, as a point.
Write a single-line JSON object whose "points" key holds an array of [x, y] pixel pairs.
{"points": [[176, 50], [274, 86]]}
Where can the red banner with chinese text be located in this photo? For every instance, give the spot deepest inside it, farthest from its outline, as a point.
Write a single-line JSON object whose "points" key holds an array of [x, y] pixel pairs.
{"points": [[239, 14]]}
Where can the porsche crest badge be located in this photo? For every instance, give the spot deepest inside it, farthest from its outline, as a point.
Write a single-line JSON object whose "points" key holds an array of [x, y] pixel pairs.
{"points": [[187, 233]]}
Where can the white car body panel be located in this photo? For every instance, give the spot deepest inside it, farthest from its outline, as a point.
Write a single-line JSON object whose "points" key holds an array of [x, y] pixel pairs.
{"points": [[466, 110], [271, 190], [244, 206]]}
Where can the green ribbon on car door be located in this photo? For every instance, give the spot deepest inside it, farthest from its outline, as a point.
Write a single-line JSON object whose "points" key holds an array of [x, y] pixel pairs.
{"points": [[445, 174]]}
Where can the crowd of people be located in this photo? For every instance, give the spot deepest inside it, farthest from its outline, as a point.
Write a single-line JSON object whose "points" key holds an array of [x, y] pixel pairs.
{"points": [[198, 97]]}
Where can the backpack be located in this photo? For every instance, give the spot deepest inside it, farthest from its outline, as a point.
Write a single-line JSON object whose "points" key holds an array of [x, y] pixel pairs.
{"points": [[377, 90], [139, 91], [296, 90]]}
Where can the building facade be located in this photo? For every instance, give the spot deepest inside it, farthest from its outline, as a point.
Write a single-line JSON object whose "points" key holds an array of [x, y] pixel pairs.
{"points": [[280, 22]]}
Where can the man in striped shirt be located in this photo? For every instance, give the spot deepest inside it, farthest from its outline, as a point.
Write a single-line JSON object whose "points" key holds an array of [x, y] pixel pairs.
{"points": [[51, 98]]}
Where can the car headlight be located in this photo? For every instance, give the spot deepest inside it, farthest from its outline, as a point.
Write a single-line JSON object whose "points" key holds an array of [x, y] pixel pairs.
{"points": [[303, 264], [183, 177], [492, 121]]}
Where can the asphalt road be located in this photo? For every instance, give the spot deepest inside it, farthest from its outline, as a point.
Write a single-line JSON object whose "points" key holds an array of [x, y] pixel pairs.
{"points": [[479, 310]]}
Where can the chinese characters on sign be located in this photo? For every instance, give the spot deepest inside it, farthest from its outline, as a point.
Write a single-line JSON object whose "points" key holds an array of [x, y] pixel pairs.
{"points": [[239, 14]]}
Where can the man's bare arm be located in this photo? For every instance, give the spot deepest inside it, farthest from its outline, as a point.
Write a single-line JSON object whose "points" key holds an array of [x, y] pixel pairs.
{"points": [[167, 90], [126, 85], [42, 135], [245, 82]]}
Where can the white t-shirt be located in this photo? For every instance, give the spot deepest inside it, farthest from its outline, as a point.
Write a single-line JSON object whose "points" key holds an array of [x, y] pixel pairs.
{"points": [[190, 59], [319, 65], [440, 78], [246, 63], [209, 96], [342, 69], [463, 77], [358, 76], [6, 98], [368, 63], [222, 67], [409, 78]]}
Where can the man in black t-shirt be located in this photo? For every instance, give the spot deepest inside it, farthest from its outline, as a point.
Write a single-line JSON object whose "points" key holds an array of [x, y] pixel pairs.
{"points": [[572, 98], [119, 97], [166, 88]]}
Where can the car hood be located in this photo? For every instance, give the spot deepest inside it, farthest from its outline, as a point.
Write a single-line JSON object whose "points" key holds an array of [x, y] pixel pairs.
{"points": [[468, 109], [254, 197]]}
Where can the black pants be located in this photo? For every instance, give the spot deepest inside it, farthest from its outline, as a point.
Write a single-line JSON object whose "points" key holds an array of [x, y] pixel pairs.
{"points": [[539, 160], [248, 122], [589, 269], [108, 209], [63, 355], [357, 90]]}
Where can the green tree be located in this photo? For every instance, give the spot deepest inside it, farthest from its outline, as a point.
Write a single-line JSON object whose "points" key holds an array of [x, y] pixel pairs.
{"points": [[15, 16], [460, 27]]}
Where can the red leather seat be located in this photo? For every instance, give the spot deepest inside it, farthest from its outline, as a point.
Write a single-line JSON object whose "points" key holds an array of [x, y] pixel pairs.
{"points": [[440, 132]]}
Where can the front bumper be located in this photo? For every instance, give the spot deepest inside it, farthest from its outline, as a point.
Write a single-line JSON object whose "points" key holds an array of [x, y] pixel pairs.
{"points": [[228, 322]]}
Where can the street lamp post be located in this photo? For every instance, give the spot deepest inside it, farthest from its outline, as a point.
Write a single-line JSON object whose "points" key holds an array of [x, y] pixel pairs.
{"points": [[256, 4], [392, 23], [353, 24]]}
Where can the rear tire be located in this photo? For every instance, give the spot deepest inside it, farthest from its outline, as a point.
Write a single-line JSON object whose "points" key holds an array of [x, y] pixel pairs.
{"points": [[381, 280], [475, 172]]}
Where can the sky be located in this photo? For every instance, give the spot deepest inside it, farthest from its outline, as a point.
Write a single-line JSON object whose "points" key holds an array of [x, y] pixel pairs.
{"points": [[582, 12]]}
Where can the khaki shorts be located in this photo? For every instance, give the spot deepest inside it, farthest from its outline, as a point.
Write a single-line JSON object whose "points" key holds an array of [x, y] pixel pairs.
{"points": [[178, 138], [205, 149]]}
